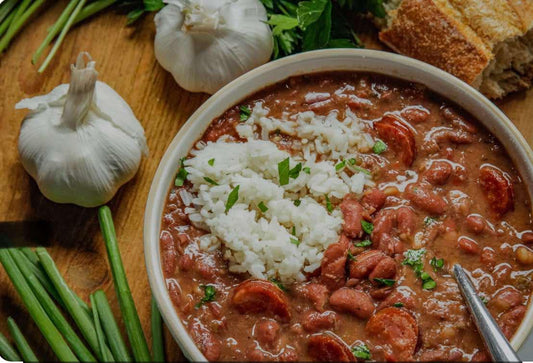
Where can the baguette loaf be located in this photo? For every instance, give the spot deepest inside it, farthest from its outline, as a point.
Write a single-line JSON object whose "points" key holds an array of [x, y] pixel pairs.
{"points": [[487, 43]]}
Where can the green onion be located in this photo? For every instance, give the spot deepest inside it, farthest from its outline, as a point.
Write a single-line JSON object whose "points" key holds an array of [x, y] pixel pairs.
{"points": [[82, 320], [22, 14], [127, 306], [50, 332], [51, 309], [158, 347], [386, 282], [307, 170], [106, 356], [232, 198], [364, 243], [209, 295], [361, 352], [245, 112], [368, 227], [295, 241], [329, 206], [283, 172], [110, 327], [7, 22], [279, 284], [361, 170], [379, 147], [210, 181], [22, 344], [429, 284], [6, 7], [211, 162], [262, 207], [352, 161], [340, 165], [7, 351], [437, 263], [181, 176]]}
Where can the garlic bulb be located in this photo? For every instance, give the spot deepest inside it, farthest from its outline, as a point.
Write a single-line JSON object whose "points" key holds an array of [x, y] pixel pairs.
{"points": [[205, 44], [81, 141]]}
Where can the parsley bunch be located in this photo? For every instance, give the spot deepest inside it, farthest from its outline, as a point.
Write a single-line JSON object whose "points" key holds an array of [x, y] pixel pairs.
{"points": [[299, 26]]}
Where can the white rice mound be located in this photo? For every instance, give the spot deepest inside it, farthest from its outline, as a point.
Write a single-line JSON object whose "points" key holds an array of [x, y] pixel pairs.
{"points": [[286, 240]]}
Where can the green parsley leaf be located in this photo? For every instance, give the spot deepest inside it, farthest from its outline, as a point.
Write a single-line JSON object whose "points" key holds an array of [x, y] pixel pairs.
{"points": [[279, 284], [245, 112], [209, 295], [429, 284], [307, 170], [361, 170], [295, 241], [317, 34], [352, 161], [283, 172], [379, 147], [210, 181], [153, 5], [361, 352], [413, 257], [293, 231], [181, 176], [386, 282], [340, 165], [211, 162], [297, 202], [295, 172], [232, 198], [429, 220], [484, 299], [364, 243], [280, 23], [308, 12], [262, 207], [398, 305], [329, 206], [351, 257], [437, 263], [367, 226]]}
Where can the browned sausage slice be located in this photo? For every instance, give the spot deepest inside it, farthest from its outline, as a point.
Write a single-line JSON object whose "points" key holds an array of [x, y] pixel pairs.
{"points": [[398, 137], [396, 330], [497, 188], [328, 348], [352, 301], [260, 296]]}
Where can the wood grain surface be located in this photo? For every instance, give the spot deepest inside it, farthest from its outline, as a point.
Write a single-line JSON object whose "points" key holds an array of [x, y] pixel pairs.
{"points": [[125, 60]]}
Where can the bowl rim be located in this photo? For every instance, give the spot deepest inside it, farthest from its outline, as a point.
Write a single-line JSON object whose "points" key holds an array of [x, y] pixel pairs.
{"points": [[516, 146]]}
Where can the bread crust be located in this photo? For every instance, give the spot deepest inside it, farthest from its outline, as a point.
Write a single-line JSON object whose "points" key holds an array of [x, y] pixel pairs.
{"points": [[431, 32]]}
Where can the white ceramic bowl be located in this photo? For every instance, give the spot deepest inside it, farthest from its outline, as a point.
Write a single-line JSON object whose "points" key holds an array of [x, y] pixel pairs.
{"points": [[317, 61]]}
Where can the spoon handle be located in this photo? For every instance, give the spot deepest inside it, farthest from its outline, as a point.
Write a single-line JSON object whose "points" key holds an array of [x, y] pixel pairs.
{"points": [[495, 342]]}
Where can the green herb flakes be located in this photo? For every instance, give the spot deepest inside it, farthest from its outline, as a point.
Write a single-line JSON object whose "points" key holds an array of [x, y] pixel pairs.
{"points": [[181, 176], [437, 263], [379, 147], [351, 257], [283, 172], [295, 241], [367, 226], [361, 170], [429, 284], [340, 165], [352, 161], [307, 170], [245, 113], [364, 243], [232, 198], [398, 305], [262, 207], [297, 202], [211, 162], [209, 295], [279, 284], [413, 258], [385, 282], [210, 181], [295, 172], [361, 352], [429, 220], [329, 206]]}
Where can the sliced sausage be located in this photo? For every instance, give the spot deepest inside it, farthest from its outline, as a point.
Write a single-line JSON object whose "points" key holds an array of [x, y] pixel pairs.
{"points": [[438, 173], [373, 200], [398, 137], [347, 300], [352, 212], [266, 332], [424, 197], [333, 265], [365, 263], [385, 269], [316, 293], [328, 348], [497, 188], [313, 321], [260, 296], [396, 330]]}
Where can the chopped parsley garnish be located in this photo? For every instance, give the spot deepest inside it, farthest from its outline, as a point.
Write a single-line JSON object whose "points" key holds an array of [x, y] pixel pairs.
{"points": [[245, 112], [181, 176], [379, 147], [262, 207], [209, 295], [351, 257], [398, 305], [367, 226], [279, 284], [361, 170], [295, 241], [429, 220], [361, 352], [295, 172], [211, 162], [484, 299], [352, 161], [386, 282], [297, 202], [340, 165], [329, 206], [364, 243], [232, 198], [283, 172], [307, 170], [429, 284], [437, 263], [210, 181], [293, 231], [413, 258]]}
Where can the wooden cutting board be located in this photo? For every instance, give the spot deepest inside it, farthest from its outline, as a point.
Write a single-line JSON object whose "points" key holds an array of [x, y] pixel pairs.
{"points": [[125, 60]]}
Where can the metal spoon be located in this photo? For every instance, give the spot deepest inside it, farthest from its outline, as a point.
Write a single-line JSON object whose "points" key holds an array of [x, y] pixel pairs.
{"points": [[495, 342]]}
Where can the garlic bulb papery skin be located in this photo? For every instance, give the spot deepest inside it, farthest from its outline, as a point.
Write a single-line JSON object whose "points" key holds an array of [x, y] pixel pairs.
{"points": [[81, 141], [206, 44]]}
